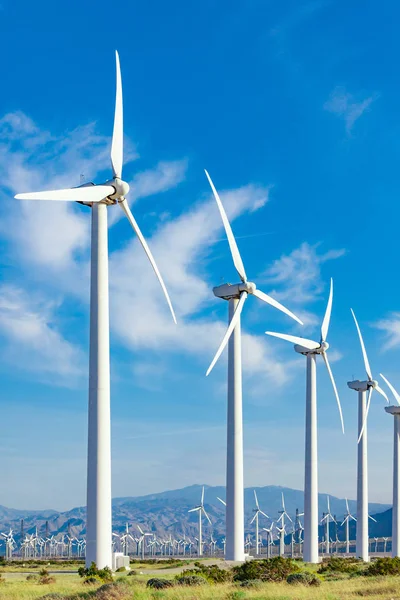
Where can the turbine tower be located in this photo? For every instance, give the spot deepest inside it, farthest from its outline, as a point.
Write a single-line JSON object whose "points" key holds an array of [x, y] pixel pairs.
{"points": [[236, 295], [310, 350], [257, 512], [362, 387], [99, 198], [282, 529], [395, 411], [327, 518]]}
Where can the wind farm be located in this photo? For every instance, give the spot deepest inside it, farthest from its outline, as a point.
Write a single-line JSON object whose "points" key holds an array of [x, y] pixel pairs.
{"points": [[157, 441]]}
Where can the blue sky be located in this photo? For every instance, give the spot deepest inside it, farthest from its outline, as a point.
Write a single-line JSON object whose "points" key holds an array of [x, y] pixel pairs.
{"points": [[293, 109]]}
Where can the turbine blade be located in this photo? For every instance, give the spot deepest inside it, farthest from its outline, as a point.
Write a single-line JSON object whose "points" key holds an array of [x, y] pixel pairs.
{"points": [[372, 519], [394, 392], [371, 389], [309, 344], [347, 506], [256, 499], [125, 207], [237, 260], [202, 496], [194, 509], [327, 317], [207, 517], [343, 522], [262, 296], [382, 393], [253, 519], [263, 513], [229, 331], [222, 501], [117, 144], [325, 357], [288, 517], [364, 352], [90, 193], [283, 503], [140, 529]]}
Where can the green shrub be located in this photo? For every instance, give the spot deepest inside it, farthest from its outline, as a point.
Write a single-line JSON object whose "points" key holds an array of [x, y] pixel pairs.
{"points": [[272, 569], [132, 572], [159, 584], [339, 565], [104, 575], [91, 580], [43, 573], [236, 595], [117, 590], [190, 580], [384, 566], [31, 577], [303, 578], [211, 573], [251, 583]]}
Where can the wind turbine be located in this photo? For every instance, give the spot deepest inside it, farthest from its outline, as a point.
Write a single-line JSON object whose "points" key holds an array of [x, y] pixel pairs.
{"points": [[310, 349], [99, 198], [270, 538], [395, 411], [257, 512], [362, 387], [281, 529], [201, 510], [142, 539], [347, 517], [327, 518], [236, 295]]}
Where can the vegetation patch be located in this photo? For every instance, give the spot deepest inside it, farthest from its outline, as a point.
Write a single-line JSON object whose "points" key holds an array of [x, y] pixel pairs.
{"points": [[303, 578], [118, 590], [251, 583], [272, 569], [335, 564], [159, 584], [383, 566], [212, 573], [190, 580], [104, 575]]}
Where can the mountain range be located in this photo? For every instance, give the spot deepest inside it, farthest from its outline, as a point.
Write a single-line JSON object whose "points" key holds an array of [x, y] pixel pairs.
{"points": [[166, 513]]}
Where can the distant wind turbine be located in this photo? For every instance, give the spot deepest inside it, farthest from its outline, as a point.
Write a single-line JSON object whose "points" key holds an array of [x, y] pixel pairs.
{"points": [[281, 529], [98, 198], [347, 517], [327, 519], [202, 511], [310, 349], [257, 512], [236, 295]]}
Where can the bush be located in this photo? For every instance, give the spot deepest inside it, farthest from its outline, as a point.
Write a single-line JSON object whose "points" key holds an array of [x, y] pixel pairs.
{"points": [[47, 579], [303, 578], [190, 580], [118, 590], [211, 573], [104, 575], [384, 566], [43, 573], [339, 565], [54, 596], [31, 577], [91, 580], [236, 595], [251, 583], [159, 584], [272, 569]]}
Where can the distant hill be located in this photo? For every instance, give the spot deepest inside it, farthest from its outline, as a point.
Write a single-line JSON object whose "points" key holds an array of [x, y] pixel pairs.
{"points": [[167, 512]]}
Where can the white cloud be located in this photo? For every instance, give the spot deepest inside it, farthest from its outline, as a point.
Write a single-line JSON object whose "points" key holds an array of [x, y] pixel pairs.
{"points": [[345, 105], [297, 276], [31, 340], [391, 328]]}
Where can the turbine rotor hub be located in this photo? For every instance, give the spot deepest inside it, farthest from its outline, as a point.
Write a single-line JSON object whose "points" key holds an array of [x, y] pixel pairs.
{"points": [[121, 188]]}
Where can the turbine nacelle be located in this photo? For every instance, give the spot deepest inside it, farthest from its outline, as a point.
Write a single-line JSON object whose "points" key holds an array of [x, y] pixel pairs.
{"points": [[121, 188], [228, 291], [323, 347]]}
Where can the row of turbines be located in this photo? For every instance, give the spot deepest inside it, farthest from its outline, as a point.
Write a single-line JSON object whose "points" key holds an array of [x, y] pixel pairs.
{"points": [[99, 199]]}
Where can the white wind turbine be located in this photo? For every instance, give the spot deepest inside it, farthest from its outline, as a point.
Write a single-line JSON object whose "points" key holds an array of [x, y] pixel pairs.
{"points": [[311, 349], [202, 511], [282, 529], [362, 387], [257, 512], [270, 538], [327, 519], [347, 518], [236, 295], [99, 198], [395, 411]]}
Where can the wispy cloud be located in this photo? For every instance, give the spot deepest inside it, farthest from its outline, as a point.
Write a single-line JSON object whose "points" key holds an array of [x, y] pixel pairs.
{"points": [[348, 106], [297, 277], [391, 328], [32, 340]]}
